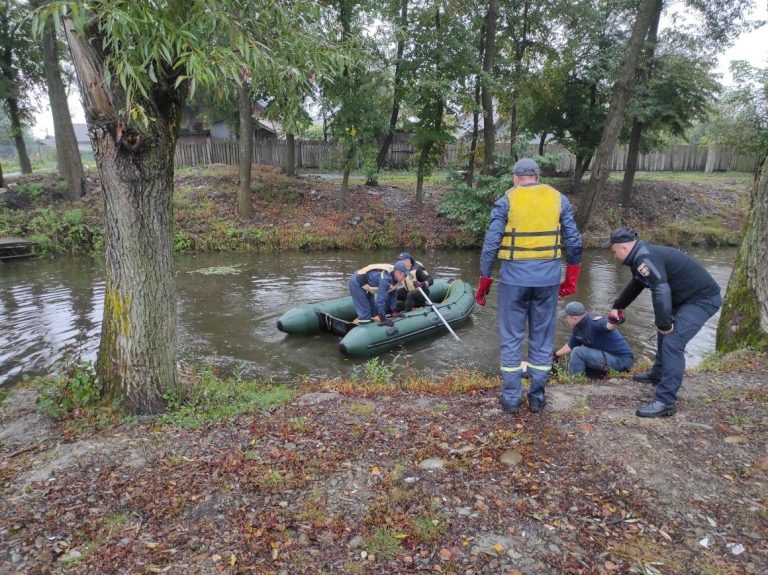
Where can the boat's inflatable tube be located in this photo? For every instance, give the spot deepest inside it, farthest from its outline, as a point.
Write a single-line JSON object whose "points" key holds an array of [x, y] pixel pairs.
{"points": [[312, 318], [372, 339]]}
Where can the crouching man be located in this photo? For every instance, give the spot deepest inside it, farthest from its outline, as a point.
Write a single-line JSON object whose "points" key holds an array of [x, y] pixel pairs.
{"points": [[596, 346]]}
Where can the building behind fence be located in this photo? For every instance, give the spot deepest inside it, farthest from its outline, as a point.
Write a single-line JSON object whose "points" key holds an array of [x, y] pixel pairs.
{"points": [[328, 156]]}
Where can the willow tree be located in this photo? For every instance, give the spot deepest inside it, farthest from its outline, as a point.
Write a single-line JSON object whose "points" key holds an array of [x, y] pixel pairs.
{"points": [[136, 63]]}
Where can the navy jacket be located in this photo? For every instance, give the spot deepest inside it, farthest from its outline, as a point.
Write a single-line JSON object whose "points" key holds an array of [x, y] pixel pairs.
{"points": [[673, 277], [592, 331]]}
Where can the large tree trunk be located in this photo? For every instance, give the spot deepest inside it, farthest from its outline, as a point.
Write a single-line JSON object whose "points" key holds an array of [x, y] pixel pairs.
{"points": [[137, 353], [636, 132], [469, 177], [290, 154], [246, 150], [622, 90], [489, 137], [68, 158], [421, 172], [542, 143], [17, 131], [630, 168], [398, 89], [582, 164], [2, 180], [744, 317], [513, 132]]}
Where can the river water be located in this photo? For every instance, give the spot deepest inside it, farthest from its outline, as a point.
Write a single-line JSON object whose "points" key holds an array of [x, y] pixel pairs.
{"points": [[51, 309]]}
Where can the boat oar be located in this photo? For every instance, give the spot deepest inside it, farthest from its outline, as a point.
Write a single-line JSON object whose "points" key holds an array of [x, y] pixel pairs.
{"points": [[434, 307]]}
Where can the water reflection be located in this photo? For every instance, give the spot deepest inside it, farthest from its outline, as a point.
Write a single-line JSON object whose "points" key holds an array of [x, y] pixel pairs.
{"points": [[53, 307]]}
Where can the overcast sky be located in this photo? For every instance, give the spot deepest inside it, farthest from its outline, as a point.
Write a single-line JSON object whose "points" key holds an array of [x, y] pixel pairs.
{"points": [[752, 47]]}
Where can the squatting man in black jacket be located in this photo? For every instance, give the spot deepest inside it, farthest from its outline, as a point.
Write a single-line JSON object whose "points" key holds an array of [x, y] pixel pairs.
{"points": [[684, 297]]}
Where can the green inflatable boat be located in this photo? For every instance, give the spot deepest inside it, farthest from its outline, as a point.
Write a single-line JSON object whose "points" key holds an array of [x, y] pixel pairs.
{"points": [[454, 299]]}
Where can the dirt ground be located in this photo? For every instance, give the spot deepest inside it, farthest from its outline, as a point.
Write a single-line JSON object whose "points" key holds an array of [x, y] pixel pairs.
{"points": [[404, 483]]}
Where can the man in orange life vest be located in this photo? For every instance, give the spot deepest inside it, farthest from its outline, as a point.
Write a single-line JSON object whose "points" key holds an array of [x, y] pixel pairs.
{"points": [[529, 226]]}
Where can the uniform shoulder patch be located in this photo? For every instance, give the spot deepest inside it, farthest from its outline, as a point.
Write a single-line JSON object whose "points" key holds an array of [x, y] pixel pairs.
{"points": [[644, 269]]}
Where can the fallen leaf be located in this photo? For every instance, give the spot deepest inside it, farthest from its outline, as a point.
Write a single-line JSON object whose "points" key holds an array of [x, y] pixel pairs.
{"points": [[152, 544], [375, 470], [499, 548], [586, 427], [445, 554]]}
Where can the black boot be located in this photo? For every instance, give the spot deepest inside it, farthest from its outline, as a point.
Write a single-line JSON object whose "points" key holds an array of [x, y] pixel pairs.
{"points": [[647, 377]]}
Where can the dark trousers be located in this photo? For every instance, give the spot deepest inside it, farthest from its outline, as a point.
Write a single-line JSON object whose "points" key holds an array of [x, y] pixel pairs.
{"points": [[669, 364]]}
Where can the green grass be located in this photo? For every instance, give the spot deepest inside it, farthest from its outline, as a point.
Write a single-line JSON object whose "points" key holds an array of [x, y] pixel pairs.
{"points": [[737, 180], [207, 399], [382, 543]]}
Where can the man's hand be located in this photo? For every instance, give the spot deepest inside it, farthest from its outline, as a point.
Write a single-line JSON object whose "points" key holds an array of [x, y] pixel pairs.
{"points": [[616, 317]]}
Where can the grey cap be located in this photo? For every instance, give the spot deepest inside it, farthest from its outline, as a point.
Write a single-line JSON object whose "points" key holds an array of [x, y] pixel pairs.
{"points": [[620, 236], [526, 167], [575, 308], [400, 267]]}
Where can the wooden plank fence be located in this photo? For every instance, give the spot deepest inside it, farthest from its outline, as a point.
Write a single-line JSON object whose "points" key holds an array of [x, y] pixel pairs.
{"points": [[326, 155]]}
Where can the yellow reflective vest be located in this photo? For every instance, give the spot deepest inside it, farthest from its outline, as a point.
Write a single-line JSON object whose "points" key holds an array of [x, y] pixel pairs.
{"points": [[411, 277], [383, 267], [533, 224]]}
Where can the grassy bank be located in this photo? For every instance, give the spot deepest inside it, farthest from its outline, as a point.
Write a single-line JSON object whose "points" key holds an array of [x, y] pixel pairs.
{"points": [[682, 209]]}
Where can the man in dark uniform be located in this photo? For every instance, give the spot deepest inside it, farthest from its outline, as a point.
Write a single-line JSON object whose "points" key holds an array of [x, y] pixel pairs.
{"points": [[418, 277], [595, 345], [684, 297]]}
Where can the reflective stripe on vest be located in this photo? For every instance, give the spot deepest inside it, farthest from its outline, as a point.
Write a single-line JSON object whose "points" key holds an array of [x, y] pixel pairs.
{"points": [[533, 224], [411, 277]]}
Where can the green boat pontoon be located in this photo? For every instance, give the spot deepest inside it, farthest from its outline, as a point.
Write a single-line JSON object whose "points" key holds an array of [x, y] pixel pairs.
{"points": [[454, 299]]}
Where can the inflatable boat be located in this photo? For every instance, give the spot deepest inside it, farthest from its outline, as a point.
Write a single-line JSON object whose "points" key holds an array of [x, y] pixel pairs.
{"points": [[454, 299]]}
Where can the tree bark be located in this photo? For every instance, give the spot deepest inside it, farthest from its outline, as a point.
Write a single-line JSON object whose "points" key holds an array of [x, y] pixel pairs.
{"points": [[633, 151], [246, 150], [622, 90], [2, 180], [744, 317], [68, 159], [582, 164], [421, 172], [290, 154], [17, 131], [137, 353], [636, 132], [542, 142], [398, 89], [489, 139], [513, 132], [469, 177]]}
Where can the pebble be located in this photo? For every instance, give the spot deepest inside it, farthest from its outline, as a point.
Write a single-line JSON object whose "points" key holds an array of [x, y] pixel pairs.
{"points": [[433, 463], [511, 458], [16, 558]]}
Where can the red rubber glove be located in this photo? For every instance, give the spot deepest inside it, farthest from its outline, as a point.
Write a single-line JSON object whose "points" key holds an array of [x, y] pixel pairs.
{"points": [[568, 287], [483, 287]]}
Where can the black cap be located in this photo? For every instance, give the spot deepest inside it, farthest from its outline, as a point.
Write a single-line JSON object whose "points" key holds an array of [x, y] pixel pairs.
{"points": [[620, 236]]}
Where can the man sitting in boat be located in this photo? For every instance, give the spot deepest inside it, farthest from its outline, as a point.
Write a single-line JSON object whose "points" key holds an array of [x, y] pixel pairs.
{"points": [[374, 291], [418, 277]]}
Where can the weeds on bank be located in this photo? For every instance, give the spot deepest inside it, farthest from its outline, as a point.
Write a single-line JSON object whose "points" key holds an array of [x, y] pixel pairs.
{"points": [[75, 399], [376, 377], [205, 398], [707, 232], [742, 360]]}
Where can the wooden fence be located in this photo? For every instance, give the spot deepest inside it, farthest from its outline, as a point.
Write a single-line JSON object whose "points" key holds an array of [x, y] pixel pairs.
{"points": [[325, 155]]}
